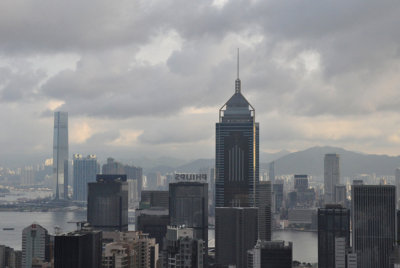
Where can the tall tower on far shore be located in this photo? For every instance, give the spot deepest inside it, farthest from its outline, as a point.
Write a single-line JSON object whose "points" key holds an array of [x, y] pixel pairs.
{"points": [[60, 155], [331, 176], [237, 152]]}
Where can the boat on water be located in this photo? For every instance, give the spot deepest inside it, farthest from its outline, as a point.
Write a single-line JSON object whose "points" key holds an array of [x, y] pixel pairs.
{"points": [[8, 229]]}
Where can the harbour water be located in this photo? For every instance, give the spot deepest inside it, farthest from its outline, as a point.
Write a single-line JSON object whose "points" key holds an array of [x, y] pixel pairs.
{"points": [[304, 243]]}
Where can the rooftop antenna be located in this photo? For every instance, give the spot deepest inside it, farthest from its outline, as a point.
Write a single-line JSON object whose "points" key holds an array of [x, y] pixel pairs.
{"points": [[238, 63], [237, 82]]}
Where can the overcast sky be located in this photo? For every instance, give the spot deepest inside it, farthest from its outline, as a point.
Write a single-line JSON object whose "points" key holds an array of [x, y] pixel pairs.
{"points": [[146, 78]]}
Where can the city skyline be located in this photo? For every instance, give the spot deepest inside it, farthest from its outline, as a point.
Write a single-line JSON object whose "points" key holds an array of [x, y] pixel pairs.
{"points": [[316, 77]]}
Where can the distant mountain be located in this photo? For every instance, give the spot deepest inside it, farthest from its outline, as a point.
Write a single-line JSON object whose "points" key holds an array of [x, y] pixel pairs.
{"points": [[199, 165], [311, 161], [195, 166], [269, 157]]}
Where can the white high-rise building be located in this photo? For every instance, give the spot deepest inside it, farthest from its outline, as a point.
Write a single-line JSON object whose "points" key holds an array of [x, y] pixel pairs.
{"points": [[34, 240], [60, 155], [331, 176]]}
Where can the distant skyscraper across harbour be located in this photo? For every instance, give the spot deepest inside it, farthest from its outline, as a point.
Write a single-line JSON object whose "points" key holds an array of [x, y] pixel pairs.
{"points": [[271, 172], [237, 152], [85, 170], [60, 154], [331, 176], [374, 224]]}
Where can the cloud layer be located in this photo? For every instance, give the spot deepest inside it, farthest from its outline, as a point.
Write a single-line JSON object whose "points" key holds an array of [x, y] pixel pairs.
{"points": [[147, 77]]}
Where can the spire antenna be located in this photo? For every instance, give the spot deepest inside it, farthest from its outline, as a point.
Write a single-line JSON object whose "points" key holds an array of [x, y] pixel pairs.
{"points": [[238, 63], [237, 82]]}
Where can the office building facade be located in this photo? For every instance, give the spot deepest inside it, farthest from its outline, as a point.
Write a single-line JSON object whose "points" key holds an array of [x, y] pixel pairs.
{"points": [[277, 189], [341, 194], [331, 176], [35, 240], [153, 222], [374, 224], [265, 210], [188, 206], [182, 249], [154, 199], [237, 152], [300, 182], [236, 231], [333, 222], [85, 170], [274, 254], [60, 154], [107, 207], [79, 249], [145, 249]]}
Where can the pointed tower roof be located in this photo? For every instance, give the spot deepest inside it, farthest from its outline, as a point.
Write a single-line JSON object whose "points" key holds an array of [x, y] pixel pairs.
{"points": [[237, 107]]}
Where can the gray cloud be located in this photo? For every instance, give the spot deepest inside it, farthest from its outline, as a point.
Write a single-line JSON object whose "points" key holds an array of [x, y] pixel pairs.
{"points": [[302, 62]]}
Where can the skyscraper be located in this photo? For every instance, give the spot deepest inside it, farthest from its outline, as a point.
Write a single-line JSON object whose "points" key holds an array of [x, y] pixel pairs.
{"points": [[341, 194], [397, 181], [85, 170], [277, 189], [271, 172], [153, 222], [270, 254], [79, 249], [35, 240], [113, 167], [265, 210], [60, 154], [151, 199], [188, 206], [236, 230], [107, 207], [333, 222], [237, 152], [331, 176], [300, 182], [374, 224]]}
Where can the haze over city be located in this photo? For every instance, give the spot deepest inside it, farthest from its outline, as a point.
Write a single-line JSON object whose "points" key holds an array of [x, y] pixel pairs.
{"points": [[146, 78]]}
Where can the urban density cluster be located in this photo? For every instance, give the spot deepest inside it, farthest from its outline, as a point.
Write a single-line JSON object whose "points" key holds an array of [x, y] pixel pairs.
{"points": [[174, 213]]}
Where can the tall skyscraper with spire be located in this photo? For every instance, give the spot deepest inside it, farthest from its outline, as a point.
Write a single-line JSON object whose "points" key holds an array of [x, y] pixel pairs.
{"points": [[60, 155], [237, 152]]}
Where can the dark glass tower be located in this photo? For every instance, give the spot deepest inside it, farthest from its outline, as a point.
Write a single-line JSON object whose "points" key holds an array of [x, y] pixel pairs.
{"points": [[237, 152], [107, 207], [333, 222], [374, 224]]}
